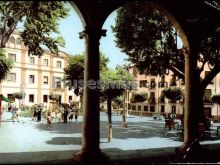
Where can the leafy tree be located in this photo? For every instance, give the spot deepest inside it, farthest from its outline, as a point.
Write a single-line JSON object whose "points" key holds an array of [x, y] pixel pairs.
{"points": [[140, 97], [5, 65], [118, 102], [149, 40], [173, 93], [75, 71], [39, 19], [19, 96], [115, 82]]}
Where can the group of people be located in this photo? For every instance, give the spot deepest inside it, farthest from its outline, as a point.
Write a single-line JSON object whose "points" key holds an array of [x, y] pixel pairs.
{"points": [[37, 112], [65, 113]]}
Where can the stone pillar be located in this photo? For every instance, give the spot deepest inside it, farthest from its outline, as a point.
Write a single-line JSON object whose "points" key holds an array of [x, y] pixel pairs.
{"points": [[191, 110], [90, 151]]}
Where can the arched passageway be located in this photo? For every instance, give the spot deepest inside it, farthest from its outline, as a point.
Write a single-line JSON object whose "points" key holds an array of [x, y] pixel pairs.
{"points": [[191, 26]]}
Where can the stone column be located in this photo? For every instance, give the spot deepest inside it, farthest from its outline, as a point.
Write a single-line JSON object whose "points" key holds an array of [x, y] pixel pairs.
{"points": [[90, 151], [191, 111]]}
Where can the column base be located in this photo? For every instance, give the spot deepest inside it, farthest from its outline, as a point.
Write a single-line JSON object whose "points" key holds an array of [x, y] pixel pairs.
{"points": [[193, 152], [85, 157]]}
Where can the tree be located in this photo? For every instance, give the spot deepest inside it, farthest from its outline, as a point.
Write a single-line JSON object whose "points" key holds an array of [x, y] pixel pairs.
{"points": [[149, 40], [39, 19], [5, 65], [115, 82], [173, 94], [19, 96], [118, 102], [216, 99], [140, 97], [75, 72]]}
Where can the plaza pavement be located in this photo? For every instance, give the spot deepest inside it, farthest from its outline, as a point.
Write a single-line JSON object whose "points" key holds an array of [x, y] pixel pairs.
{"points": [[144, 141]]}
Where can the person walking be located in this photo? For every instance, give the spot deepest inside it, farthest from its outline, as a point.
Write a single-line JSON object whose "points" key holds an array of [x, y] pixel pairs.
{"points": [[65, 114], [76, 114], [39, 110]]}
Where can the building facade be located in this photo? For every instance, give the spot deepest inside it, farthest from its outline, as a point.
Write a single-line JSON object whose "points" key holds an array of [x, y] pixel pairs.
{"points": [[36, 77], [157, 103]]}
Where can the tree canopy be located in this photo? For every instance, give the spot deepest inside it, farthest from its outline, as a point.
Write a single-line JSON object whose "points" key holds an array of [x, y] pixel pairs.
{"points": [[173, 93], [149, 40], [115, 82], [6, 65], [39, 18], [75, 69], [140, 97]]}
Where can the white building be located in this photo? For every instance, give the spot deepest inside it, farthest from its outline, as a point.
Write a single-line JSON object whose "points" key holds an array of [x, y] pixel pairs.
{"points": [[37, 77], [157, 103]]}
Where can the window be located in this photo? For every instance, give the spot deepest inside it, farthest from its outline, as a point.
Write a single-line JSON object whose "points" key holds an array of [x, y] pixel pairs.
{"points": [[139, 107], [11, 77], [45, 98], [18, 41], [31, 79], [207, 95], [152, 109], [135, 72], [162, 82], [45, 80], [152, 97], [162, 97], [152, 83], [133, 107], [57, 82], [31, 60], [45, 62], [12, 40], [70, 98], [145, 108], [31, 98], [58, 64], [12, 57], [162, 109], [143, 84]]}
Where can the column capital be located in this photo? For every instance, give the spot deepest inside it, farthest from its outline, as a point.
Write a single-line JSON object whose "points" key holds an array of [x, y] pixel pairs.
{"points": [[92, 31]]}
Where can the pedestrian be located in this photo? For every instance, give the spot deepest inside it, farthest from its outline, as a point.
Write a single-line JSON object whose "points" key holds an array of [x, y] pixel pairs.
{"points": [[35, 115], [65, 114], [76, 114], [49, 119], [39, 110]]}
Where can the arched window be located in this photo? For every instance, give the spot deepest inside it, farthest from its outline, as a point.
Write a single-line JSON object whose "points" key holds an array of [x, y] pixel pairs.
{"points": [[12, 40], [18, 41]]}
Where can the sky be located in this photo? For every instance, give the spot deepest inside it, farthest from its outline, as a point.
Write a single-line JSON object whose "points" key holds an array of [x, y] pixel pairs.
{"points": [[70, 28]]}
